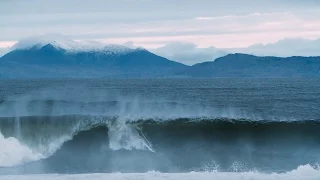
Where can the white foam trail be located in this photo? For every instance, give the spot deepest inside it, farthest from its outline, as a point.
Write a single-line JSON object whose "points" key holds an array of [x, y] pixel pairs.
{"points": [[126, 136], [13, 153], [305, 172]]}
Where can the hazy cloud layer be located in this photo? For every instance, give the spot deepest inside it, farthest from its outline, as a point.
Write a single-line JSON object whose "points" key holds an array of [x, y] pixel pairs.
{"points": [[190, 54], [3, 51], [152, 24], [284, 48]]}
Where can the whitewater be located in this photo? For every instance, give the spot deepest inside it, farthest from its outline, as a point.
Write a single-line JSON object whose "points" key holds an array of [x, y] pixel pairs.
{"points": [[160, 129], [303, 172]]}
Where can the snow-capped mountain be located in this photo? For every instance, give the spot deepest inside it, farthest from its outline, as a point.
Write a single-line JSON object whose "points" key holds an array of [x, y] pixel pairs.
{"points": [[61, 57]]}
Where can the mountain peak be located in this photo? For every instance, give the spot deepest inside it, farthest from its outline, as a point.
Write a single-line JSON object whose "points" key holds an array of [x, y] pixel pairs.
{"points": [[51, 48]]}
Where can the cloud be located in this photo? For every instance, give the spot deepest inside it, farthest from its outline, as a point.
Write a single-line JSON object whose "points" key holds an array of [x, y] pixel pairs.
{"points": [[3, 51], [64, 42], [148, 23], [188, 53], [284, 48], [57, 39], [7, 44], [238, 16], [130, 44], [220, 31]]}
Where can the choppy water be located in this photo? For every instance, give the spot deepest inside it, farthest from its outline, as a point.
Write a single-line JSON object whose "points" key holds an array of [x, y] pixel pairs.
{"points": [[175, 128]]}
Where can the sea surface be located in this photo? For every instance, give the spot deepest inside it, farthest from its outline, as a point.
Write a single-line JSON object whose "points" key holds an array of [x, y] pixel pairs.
{"points": [[224, 128]]}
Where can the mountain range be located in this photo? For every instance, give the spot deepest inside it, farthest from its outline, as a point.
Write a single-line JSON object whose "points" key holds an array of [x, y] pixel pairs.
{"points": [[53, 60]]}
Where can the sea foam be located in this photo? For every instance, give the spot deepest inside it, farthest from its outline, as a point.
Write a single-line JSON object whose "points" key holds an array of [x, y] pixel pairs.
{"points": [[305, 172], [13, 152]]}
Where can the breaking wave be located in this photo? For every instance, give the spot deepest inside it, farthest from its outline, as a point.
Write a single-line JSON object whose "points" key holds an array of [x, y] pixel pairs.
{"points": [[113, 142]]}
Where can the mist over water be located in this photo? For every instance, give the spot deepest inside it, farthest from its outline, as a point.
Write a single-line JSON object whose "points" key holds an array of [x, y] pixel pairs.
{"points": [[169, 126]]}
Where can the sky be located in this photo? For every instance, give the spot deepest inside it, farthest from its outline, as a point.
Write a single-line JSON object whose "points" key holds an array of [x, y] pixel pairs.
{"points": [[227, 24]]}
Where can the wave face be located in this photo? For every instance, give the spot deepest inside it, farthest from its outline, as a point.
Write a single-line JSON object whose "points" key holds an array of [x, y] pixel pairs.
{"points": [[108, 144], [166, 126]]}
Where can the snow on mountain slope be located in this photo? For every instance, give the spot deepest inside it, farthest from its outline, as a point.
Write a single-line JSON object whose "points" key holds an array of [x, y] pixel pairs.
{"points": [[66, 43]]}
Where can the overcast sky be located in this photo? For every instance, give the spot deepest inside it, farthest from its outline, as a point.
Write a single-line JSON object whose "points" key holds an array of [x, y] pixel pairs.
{"points": [[154, 23]]}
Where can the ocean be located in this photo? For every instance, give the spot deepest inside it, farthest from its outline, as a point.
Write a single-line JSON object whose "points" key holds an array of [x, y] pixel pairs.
{"points": [[223, 128]]}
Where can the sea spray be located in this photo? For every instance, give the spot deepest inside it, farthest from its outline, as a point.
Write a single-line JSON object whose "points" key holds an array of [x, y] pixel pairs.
{"points": [[126, 136], [13, 152]]}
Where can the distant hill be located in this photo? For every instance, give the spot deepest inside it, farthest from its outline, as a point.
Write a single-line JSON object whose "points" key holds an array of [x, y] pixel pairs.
{"points": [[243, 65], [53, 61]]}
